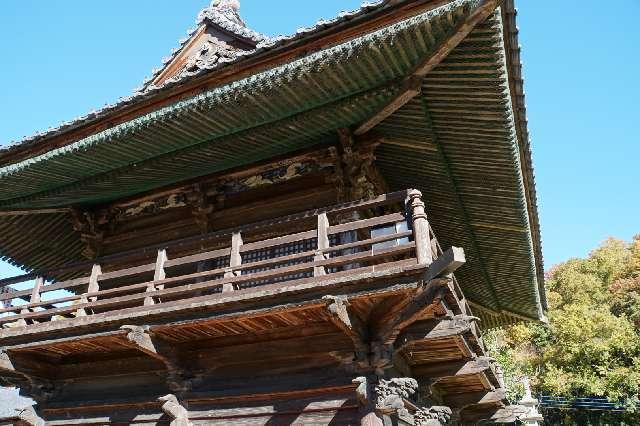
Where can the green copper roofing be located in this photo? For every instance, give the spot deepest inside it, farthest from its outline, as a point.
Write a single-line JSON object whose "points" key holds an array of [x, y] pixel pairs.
{"points": [[458, 142], [345, 72]]}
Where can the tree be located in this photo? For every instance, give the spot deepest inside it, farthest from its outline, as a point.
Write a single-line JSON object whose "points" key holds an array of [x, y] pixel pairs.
{"points": [[591, 345]]}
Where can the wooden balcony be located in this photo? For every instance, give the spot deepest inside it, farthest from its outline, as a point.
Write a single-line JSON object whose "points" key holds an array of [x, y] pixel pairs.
{"points": [[388, 235], [288, 312]]}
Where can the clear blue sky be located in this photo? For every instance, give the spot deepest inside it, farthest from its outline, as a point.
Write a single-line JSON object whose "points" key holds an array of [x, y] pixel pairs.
{"points": [[61, 59]]}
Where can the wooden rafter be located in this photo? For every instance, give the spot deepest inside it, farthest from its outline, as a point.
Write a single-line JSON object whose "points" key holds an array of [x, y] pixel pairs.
{"points": [[411, 86]]}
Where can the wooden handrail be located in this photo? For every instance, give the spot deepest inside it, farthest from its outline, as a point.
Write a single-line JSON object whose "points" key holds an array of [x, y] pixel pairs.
{"points": [[314, 262], [296, 217], [192, 288], [213, 272]]}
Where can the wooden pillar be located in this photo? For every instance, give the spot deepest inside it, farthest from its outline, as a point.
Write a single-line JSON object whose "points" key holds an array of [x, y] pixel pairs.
{"points": [[323, 243], [420, 227], [235, 259]]}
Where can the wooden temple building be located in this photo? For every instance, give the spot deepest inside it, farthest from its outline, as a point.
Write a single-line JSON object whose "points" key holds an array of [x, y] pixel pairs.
{"points": [[309, 230]]}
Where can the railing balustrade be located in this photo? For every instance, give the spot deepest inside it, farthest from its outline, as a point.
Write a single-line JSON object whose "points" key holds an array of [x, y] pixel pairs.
{"points": [[383, 232]]}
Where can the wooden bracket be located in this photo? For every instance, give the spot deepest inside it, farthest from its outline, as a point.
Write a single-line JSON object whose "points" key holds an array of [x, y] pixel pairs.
{"points": [[28, 416], [22, 371], [351, 325], [436, 415], [437, 278], [5, 362], [172, 407], [142, 339], [436, 329]]}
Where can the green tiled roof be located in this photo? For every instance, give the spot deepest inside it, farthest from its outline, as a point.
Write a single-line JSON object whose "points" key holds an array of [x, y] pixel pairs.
{"points": [[460, 142]]}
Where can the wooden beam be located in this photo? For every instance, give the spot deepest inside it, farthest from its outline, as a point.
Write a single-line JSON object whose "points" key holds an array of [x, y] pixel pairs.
{"points": [[464, 400], [450, 369], [11, 213], [447, 263], [411, 84], [435, 289], [435, 329]]}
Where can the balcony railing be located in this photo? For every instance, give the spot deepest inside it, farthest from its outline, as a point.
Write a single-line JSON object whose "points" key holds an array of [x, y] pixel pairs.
{"points": [[388, 231]]}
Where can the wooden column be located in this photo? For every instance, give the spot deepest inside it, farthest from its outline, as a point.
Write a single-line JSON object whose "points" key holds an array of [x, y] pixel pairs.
{"points": [[323, 243], [234, 260], [420, 227]]}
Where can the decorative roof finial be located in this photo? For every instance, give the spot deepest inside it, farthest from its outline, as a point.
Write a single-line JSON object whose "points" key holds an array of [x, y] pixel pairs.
{"points": [[226, 4]]}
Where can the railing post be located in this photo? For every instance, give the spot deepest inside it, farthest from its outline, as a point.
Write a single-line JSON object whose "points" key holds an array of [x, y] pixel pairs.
{"points": [[420, 227], [323, 243], [35, 293], [158, 274], [235, 259], [35, 298], [93, 287]]}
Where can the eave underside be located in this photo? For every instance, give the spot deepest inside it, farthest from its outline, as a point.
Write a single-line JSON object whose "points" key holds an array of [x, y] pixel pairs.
{"points": [[456, 141]]}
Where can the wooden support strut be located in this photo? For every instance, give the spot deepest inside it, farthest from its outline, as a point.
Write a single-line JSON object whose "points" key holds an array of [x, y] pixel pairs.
{"points": [[142, 339], [350, 324], [437, 277]]}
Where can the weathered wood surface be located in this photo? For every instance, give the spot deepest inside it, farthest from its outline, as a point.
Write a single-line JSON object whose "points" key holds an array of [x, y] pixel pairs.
{"points": [[231, 277]]}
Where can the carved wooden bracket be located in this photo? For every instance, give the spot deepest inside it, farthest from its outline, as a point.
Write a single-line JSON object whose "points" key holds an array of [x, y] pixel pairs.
{"points": [[178, 379], [92, 231], [436, 415], [172, 407], [28, 416], [38, 388], [350, 324], [356, 176], [391, 393]]}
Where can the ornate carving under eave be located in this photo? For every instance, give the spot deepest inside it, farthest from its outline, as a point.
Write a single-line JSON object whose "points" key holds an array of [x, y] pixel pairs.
{"points": [[91, 232], [356, 176], [391, 393], [203, 198], [201, 206], [436, 415]]}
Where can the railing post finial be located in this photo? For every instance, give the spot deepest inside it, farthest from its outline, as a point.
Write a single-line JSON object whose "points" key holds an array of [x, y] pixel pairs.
{"points": [[420, 227]]}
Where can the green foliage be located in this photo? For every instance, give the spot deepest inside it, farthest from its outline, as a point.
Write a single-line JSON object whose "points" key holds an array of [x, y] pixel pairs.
{"points": [[591, 346]]}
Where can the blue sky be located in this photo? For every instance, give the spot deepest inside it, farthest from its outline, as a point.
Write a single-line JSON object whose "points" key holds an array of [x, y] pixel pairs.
{"points": [[61, 59]]}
